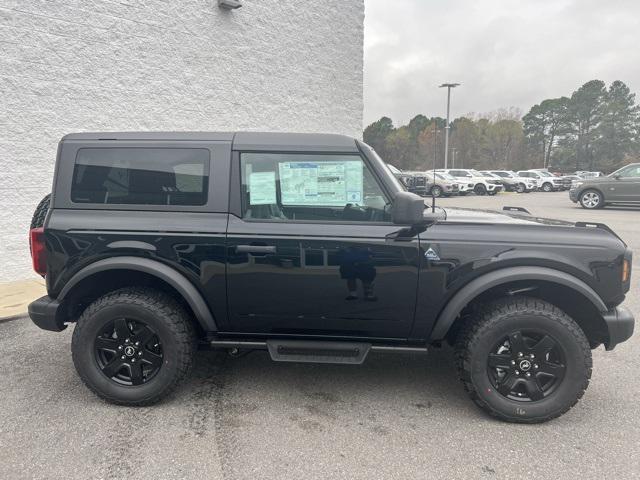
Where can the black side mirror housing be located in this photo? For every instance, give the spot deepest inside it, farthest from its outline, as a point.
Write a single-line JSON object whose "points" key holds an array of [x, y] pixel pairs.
{"points": [[407, 209], [617, 177]]}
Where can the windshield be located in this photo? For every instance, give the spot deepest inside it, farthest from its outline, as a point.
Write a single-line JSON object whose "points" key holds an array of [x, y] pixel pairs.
{"points": [[475, 173], [546, 174], [445, 176]]}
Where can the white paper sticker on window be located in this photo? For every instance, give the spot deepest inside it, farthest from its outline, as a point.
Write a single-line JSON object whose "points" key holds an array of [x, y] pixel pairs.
{"points": [[262, 188], [321, 183]]}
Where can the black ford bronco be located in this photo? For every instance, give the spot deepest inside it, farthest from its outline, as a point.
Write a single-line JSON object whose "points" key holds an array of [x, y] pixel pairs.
{"points": [[308, 247]]}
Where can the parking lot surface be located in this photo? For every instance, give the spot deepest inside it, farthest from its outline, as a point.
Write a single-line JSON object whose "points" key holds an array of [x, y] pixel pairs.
{"points": [[397, 416]]}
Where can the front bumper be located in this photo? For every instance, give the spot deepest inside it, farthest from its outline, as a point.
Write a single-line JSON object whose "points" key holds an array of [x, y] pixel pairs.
{"points": [[620, 323], [45, 312], [573, 195]]}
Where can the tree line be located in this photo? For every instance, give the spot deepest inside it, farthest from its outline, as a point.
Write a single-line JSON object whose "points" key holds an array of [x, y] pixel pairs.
{"points": [[596, 129]]}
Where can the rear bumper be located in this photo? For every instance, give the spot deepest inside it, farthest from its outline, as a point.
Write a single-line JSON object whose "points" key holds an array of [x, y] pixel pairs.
{"points": [[45, 312], [620, 323]]}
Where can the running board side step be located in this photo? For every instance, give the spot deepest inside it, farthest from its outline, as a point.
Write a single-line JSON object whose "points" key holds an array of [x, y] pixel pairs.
{"points": [[318, 352], [314, 351]]}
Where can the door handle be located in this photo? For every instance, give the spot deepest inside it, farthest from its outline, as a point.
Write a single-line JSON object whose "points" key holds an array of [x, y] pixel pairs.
{"points": [[256, 249]]}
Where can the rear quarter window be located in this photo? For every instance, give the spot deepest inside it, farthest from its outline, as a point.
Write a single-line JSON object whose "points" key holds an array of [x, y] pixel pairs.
{"points": [[141, 176]]}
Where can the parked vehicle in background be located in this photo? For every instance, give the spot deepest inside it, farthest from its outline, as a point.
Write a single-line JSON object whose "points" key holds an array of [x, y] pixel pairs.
{"points": [[590, 174], [547, 182], [423, 184], [620, 187], [464, 187], [306, 246], [521, 184], [481, 185]]}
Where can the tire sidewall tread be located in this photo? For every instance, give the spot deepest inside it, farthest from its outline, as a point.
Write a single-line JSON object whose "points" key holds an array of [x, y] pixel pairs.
{"points": [[487, 324], [164, 315]]}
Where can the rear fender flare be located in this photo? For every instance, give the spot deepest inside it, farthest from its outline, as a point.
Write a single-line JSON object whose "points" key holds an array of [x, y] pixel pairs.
{"points": [[469, 292], [157, 269]]}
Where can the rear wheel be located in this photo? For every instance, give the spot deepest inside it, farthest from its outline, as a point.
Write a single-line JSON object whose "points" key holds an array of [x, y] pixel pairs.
{"points": [[523, 360], [591, 199], [133, 346]]}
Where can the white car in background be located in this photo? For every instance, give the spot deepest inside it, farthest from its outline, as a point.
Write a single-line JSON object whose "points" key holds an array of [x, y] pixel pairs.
{"points": [[464, 187], [522, 184], [547, 182], [482, 185]]}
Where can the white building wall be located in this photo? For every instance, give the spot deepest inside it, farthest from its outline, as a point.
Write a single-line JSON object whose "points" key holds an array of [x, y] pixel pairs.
{"points": [[88, 65]]}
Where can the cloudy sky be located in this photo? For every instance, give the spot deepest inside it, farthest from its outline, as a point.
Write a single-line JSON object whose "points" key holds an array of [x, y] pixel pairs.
{"points": [[504, 52]]}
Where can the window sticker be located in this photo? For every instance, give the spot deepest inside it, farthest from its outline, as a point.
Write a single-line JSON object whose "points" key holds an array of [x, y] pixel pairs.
{"points": [[321, 183], [262, 188]]}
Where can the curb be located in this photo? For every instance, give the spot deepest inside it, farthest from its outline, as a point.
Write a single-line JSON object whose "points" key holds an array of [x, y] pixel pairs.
{"points": [[11, 318]]}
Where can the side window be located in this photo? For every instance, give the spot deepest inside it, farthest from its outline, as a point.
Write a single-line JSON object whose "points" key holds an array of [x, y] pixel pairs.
{"points": [[141, 176], [631, 172], [320, 187]]}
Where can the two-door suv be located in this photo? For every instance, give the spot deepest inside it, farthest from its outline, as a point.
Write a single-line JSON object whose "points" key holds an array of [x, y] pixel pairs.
{"points": [[307, 246]]}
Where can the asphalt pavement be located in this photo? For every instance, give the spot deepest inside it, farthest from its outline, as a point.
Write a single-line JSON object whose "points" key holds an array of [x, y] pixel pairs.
{"points": [[396, 416]]}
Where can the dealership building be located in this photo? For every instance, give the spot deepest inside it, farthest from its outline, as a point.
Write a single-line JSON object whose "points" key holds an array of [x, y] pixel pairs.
{"points": [[114, 65]]}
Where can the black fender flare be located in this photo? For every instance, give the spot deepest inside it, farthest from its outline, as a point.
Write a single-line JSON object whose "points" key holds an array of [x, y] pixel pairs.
{"points": [[152, 267], [505, 275]]}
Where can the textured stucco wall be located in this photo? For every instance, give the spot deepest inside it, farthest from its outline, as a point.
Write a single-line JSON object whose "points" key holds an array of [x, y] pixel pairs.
{"points": [[83, 65]]}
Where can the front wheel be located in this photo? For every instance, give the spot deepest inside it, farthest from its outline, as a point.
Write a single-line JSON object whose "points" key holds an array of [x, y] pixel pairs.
{"points": [[523, 360], [591, 199], [133, 346], [547, 187], [480, 189], [521, 188], [436, 191]]}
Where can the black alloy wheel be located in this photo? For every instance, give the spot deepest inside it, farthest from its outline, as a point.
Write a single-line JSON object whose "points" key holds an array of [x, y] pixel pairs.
{"points": [[526, 365], [128, 352], [520, 188]]}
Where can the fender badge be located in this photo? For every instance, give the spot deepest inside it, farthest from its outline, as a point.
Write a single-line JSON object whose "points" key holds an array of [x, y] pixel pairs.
{"points": [[431, 254]]}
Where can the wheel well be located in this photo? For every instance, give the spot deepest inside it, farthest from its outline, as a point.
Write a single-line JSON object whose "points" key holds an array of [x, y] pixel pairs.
{"points": [[95, 286], [573, 303]]}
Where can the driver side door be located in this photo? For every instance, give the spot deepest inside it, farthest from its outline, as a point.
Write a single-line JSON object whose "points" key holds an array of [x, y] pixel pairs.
{"points": [[310, 252]]}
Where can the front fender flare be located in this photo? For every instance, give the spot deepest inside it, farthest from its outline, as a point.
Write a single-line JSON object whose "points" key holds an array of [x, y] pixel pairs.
{"points": [[159, 270], [506, 275]]}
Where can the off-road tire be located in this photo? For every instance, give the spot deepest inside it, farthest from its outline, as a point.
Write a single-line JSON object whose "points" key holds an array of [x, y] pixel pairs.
{"points": [[161, 312], [497, 319], [40, 212]]}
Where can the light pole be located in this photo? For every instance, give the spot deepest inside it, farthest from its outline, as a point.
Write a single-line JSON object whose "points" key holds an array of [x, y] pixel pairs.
{"points": [[449, 86], [453, 157]]}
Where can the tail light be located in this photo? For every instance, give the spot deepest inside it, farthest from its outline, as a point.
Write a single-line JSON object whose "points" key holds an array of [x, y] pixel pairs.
{"points": [[38, 250]]}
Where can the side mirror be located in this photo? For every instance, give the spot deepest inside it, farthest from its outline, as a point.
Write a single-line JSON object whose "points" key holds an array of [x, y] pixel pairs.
{"points": [[407, 209], [617, 176]]}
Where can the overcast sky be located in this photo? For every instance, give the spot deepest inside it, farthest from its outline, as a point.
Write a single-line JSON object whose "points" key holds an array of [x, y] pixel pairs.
{"points": [[504, 52]]}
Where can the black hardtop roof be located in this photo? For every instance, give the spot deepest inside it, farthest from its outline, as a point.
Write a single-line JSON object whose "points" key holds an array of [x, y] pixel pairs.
{"points": [[245, 141]]}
